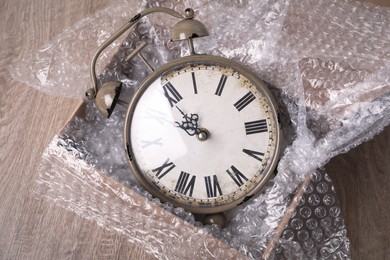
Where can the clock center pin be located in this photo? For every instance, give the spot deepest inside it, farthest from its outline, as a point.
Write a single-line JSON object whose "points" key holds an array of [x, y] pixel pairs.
{"points": [[203, 134]]}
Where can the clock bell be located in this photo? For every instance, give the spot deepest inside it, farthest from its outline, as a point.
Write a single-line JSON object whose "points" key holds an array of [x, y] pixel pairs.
{"points": [[107, 95]]}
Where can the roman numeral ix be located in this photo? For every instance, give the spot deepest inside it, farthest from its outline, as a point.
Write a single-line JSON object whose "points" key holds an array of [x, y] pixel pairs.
{"points": [[184, 186], [212, 186], [244, 101], [255, 127], [164, 169], [171, 94]]}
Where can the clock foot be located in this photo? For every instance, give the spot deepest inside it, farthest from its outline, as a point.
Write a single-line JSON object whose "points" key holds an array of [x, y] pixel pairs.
{"points": [[217, 218]]}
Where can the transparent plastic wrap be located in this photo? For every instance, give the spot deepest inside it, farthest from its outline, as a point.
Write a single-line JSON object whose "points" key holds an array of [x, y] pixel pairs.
{"points": [[327, 64]]}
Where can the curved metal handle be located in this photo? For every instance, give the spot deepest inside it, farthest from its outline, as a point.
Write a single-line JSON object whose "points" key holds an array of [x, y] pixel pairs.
{"points": [[91, 93]]}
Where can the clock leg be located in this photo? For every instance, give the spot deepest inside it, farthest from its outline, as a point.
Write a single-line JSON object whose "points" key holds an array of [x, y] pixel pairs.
{"points": [[217, 218]]}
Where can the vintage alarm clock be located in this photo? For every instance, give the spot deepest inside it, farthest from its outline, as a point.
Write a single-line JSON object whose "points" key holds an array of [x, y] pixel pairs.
{"points": [[202, 131]]}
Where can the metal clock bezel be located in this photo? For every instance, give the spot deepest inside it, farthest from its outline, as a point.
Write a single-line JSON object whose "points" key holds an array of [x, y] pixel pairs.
{"points": [[193, 60]]}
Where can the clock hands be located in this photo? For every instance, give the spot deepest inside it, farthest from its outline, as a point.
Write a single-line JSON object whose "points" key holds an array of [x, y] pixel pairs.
{"points": [[190, 125]]}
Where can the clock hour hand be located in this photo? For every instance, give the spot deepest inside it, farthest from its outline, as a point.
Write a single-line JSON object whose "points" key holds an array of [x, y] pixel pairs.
{"points": [[190, 125]]}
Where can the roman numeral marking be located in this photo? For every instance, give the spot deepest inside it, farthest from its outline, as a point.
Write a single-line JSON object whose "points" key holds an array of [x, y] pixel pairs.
{"points": [[244, 101], [212, 186], [171, 94], [194, 83], [155, 115], [236, 175], [257, 155], [221, 85], [184, 186], [255, 127], [146, 143], [164, 169]]}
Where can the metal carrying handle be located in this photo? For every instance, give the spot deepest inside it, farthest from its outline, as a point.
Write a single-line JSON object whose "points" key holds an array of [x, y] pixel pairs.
{"points": [[107, 95], [91, 93]]}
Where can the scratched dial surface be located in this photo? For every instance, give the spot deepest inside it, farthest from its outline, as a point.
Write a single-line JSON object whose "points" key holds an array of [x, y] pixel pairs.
{"points": [[202, 136]]}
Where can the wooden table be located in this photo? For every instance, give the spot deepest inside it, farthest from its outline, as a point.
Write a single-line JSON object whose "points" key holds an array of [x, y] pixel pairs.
{"points": [[36, 229]]}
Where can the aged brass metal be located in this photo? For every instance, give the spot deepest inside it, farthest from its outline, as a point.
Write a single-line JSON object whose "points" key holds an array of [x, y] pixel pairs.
{"points": [[185, 29], [215, 219], [194, 60], [107, 97], [137, 51], [188, 29]]}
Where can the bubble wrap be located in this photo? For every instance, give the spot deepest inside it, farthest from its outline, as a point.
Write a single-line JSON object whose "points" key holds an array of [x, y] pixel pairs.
{"points": [[327, 64], [316, 229]]}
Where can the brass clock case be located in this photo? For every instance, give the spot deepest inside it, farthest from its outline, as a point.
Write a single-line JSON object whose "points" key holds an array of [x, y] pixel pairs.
{"points": [[193, 60]]}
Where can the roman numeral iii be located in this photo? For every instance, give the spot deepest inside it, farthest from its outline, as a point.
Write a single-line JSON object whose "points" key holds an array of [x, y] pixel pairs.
{"points": [[212, 186], [164, 169], [236, 175], [184, 186], [244, 101], [255, 127], [171, 94]]}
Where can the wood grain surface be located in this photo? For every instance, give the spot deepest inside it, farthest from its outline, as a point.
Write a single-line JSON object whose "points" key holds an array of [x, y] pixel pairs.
{"points": [[36, 229], [31, 228]]}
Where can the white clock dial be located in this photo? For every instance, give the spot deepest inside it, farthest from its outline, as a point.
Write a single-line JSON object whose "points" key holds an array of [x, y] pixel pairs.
{"points": [[202, 136]]}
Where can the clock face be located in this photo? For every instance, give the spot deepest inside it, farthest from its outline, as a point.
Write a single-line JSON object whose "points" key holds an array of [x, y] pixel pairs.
{"points": [[202, 135]]}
